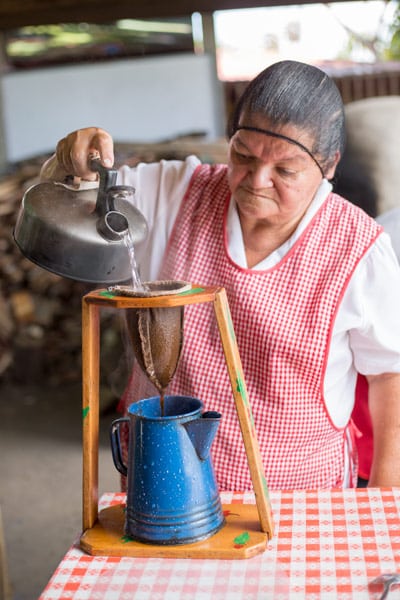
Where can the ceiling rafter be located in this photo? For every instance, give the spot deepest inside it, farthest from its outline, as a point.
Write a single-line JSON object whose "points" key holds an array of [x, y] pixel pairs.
{"points": [[19, 13]]}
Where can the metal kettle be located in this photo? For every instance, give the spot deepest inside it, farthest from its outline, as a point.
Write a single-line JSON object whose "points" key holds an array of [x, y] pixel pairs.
{"points": [[81, 234]]}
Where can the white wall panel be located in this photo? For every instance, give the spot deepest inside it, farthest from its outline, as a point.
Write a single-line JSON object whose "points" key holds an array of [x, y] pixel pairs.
{"points": [[149, 99]]}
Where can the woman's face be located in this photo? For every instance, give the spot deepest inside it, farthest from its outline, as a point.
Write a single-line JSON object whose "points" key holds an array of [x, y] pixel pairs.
{"points": [[271, 179]]}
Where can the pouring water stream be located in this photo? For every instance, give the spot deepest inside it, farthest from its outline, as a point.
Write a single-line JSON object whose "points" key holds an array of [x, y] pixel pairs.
{"points": [[137, 284]]}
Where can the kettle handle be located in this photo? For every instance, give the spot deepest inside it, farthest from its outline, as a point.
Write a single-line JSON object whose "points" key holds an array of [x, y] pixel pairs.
{"points": [[107, 179], [115, 439]]}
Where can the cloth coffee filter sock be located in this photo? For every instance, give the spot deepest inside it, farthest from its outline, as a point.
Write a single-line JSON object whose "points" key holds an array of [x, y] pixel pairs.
{"points": [[157, 332], [157, 337]]}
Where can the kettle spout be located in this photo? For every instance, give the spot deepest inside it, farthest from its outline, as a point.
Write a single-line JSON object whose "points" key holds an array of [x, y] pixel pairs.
{"points": [[202, 432], [113, 226]]}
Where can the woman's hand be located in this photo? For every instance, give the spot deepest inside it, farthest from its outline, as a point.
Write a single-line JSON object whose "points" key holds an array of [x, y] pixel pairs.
{"points": [[75, 150], [73, 154]]}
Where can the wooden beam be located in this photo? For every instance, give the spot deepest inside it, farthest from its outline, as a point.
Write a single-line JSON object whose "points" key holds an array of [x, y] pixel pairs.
{"points": [[19, 13]]}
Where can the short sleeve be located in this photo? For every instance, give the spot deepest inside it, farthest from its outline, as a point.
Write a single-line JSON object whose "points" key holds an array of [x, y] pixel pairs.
{"points": [[373, 296]]}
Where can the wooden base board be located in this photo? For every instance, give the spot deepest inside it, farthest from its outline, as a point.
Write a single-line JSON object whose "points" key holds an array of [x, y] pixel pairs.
{"points": [[239, 538]]}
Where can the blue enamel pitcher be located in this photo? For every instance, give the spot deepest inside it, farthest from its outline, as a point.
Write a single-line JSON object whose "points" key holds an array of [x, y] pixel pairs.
{"points": [[172, 495]]}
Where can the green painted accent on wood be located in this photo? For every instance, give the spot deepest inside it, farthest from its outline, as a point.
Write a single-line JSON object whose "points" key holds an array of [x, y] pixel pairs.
{"points": [[107, 294], [242, 539], [240, 387], [191, 291], [85, 411], [265, 487], [242, 391]]}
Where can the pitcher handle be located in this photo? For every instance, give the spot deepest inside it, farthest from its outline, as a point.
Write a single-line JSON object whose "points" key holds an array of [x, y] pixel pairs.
{"points": [[115, 439]]}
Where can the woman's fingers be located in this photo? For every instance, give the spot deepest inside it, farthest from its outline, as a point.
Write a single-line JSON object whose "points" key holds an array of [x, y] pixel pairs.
{"points": [[77, 148]]}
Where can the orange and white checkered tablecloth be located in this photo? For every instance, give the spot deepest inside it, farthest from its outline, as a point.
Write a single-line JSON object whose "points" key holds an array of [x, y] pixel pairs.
{"points": [[327, 545]]}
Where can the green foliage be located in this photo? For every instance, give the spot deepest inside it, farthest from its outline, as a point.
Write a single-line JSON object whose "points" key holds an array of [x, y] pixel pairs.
{"points": [[393, 50]]}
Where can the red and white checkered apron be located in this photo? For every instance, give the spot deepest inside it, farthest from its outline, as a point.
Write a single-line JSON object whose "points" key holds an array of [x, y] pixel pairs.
{"points": [[283, 320]]}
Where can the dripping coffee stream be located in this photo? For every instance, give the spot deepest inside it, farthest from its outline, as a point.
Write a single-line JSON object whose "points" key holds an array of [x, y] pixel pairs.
{"points": [[156, 333]]}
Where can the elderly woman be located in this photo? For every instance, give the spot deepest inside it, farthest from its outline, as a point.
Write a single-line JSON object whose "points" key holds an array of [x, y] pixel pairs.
{"points": [[313, 283]]}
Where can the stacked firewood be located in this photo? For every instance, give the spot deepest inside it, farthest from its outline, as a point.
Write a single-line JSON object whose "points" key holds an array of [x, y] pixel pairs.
{"points": [[40, 330]]}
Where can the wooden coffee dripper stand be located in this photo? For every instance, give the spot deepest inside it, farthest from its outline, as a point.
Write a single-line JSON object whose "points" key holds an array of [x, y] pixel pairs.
{"points": [[247, 527]]}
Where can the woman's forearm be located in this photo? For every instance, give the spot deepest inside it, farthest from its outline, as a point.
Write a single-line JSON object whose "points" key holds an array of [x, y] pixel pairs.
{"points": [[384, 406]]}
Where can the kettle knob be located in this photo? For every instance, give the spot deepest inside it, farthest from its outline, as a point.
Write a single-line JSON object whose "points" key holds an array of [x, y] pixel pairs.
{"points": [[112, 224], [107, 179]]}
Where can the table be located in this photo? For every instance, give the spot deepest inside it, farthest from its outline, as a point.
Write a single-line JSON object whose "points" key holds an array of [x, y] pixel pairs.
{"points": [[328, 545]]}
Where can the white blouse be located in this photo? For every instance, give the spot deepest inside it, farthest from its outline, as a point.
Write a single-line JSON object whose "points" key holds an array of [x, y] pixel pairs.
{"points": [[366, 334]]}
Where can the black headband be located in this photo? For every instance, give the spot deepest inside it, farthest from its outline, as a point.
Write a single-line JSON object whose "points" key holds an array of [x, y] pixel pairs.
{"points": [[283, 137]]}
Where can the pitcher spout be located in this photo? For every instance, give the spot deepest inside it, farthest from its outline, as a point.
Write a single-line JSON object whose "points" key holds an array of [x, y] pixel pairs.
{"points": [[202, 431]]}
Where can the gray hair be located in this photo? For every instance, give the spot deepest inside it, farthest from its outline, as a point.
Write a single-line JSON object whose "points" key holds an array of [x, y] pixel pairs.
{"points": [[291, 92]]}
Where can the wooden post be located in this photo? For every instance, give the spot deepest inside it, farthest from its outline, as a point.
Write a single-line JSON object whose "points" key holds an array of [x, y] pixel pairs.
{"points": [[5, 588], [243, 410], [90, 411]]}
